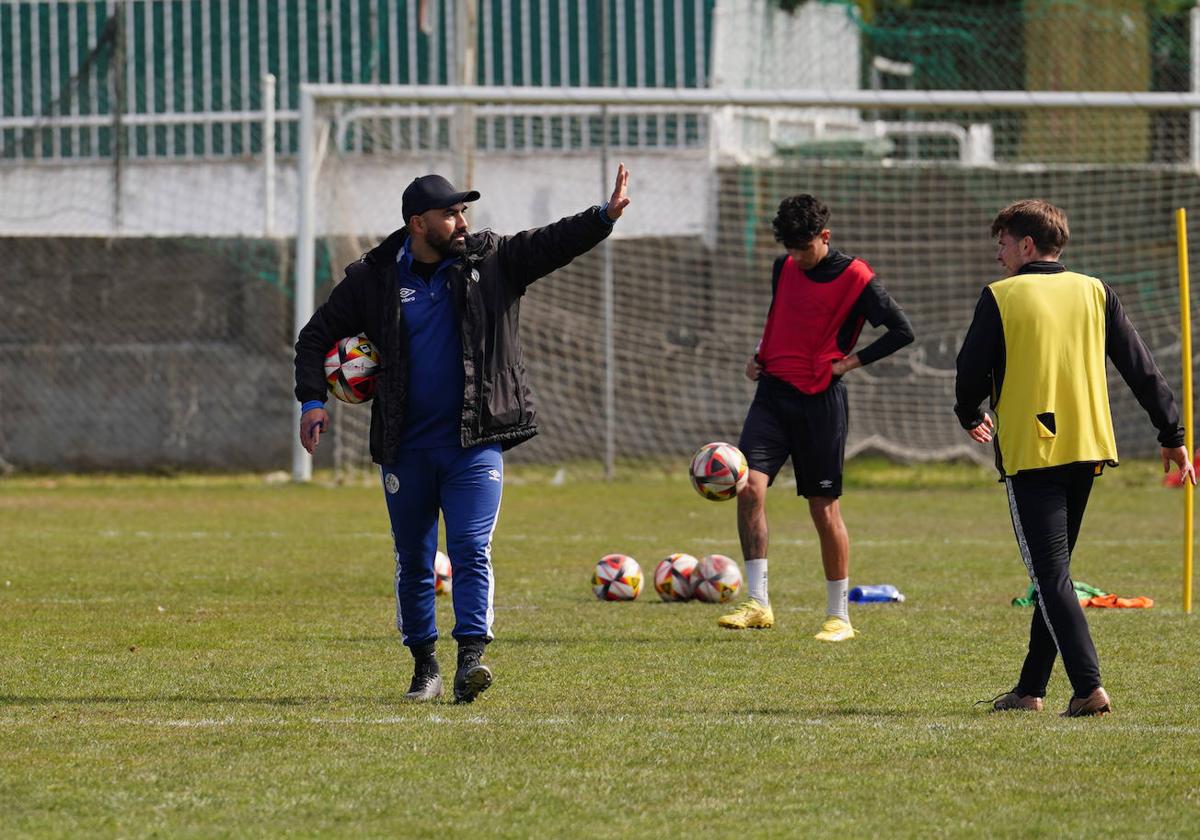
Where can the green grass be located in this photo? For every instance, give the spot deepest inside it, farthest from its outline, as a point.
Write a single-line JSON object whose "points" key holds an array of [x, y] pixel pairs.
{"points": [[197, 657]]}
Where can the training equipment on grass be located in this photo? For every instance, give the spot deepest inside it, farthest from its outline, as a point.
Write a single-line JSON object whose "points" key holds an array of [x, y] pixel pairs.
{"points": [[719, 471], [351, 369], [442, 574], [618, 577], [717, 579], [883, 592], [673, 577]]}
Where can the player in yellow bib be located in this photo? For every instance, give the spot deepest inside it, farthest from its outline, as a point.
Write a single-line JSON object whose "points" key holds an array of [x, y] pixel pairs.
{"points": [[1037, 348]]}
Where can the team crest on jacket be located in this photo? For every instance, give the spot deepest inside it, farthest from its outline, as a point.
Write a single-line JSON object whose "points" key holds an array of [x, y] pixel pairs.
{"points": [[391, 483]]}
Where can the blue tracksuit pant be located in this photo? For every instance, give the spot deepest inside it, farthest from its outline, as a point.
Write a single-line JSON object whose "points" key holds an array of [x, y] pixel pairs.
{"points": [[465, 485]]}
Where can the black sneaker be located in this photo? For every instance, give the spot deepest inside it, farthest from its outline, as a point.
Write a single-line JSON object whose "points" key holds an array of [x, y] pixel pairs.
{"points": [[472, 677], [426, 682]]}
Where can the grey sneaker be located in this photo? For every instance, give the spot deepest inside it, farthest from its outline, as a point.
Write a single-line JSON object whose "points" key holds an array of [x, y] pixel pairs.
{"points": [[471, 679], [426, 683], [1094, 705]]}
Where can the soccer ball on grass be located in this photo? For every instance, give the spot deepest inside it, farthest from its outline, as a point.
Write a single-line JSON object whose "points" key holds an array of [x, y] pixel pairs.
{"points": [[618, 577], [674, 576], [717, 579], [442, 574]]}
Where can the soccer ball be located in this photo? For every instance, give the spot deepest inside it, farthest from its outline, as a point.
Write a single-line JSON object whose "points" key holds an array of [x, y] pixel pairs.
{"points": [[442, 573], [617, 578], [673, 577], [719, 471], [351, 369], [717, 579]]}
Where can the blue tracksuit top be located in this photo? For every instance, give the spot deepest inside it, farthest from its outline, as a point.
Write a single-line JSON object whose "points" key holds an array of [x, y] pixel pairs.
{"points": [[436, 381]]}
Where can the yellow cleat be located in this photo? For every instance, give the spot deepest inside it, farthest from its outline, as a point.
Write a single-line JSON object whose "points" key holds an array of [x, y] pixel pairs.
{"points": [[749, 615], [835, 630]]}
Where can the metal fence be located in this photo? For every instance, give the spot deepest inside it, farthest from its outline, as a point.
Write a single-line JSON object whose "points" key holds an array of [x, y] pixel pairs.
{"points": [[181, 78]]}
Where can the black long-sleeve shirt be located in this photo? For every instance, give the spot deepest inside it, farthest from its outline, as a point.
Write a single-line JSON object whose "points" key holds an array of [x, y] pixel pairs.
{"points": [[981, 362]]}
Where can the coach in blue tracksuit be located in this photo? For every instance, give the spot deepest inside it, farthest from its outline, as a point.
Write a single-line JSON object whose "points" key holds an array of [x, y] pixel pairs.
{"points": [[441, 306]]}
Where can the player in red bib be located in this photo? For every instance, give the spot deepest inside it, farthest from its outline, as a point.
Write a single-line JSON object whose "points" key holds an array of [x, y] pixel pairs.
{"points": [[820, 300]]}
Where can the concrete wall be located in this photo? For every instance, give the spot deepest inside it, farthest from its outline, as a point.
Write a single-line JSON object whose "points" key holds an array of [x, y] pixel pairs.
{"points": [[144, 354]]}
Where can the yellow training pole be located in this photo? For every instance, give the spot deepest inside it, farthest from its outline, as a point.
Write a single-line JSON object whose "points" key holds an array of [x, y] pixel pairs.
{"points": [[1185, 313]]}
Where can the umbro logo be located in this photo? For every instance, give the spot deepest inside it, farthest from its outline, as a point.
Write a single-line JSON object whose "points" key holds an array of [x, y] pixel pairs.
{"points": [[494, 475], [826, 483], [408, 295]]}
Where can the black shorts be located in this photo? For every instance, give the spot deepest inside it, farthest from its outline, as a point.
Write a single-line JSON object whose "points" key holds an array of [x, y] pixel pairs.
{"points": [[811, 428]]}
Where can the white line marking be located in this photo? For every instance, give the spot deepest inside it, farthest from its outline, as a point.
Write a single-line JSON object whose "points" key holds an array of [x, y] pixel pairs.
{"points": [[985, 722], [563, 539]]}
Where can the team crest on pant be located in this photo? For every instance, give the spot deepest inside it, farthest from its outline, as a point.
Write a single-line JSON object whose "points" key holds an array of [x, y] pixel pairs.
{"points": [[391, 483]]}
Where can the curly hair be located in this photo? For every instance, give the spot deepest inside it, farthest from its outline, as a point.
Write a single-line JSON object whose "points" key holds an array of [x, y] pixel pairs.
{"points": [[1040, 220], [800, 218]]}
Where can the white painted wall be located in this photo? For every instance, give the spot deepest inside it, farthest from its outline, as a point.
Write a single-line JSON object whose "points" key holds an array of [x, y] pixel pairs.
{"points": [[671, 194]]}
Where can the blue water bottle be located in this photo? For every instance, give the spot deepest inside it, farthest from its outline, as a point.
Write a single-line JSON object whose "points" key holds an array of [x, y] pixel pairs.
{"points": [[882, 592]]}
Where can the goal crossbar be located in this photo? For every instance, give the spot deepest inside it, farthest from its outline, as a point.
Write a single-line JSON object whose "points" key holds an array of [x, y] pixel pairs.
{"points": [[709, 97]]}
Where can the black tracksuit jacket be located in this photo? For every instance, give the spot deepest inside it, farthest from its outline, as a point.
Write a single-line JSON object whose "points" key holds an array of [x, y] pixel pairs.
{"points": [[486, 286]]}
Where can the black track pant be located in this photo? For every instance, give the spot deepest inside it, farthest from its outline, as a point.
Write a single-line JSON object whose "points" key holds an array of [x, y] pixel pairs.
{"points": [[1047, 509]]}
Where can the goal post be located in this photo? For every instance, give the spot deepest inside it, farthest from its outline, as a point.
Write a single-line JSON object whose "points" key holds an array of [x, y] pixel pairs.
{"points": [[913, 179]]}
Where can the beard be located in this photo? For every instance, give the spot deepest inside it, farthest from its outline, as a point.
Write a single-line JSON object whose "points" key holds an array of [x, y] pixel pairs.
{"points": [[449, 247]]}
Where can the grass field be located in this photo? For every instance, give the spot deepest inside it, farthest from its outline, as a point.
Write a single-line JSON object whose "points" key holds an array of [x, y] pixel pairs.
{"points": [[197, 657]]}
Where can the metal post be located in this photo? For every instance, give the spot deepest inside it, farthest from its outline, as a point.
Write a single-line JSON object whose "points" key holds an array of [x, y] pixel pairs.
{"points": [[1195, 20], [610, 361], [119, 138], [1185, 322], [466, 36], [268, 145], [305, 257]]}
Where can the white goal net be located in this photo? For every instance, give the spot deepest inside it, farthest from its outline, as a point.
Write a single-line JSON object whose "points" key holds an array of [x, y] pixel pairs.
{"points": [[636, 351]]}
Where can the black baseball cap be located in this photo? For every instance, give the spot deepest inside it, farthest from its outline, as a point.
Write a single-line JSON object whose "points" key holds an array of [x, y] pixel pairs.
{"points": [[432, 192]]}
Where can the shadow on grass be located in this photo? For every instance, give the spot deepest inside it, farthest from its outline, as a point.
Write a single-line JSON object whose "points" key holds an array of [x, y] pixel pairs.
{"points": [[658, 641], [347, 640]]}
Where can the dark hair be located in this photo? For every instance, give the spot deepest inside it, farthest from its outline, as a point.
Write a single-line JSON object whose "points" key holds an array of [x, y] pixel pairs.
{"points": [[1040, 220], [800, 218]]}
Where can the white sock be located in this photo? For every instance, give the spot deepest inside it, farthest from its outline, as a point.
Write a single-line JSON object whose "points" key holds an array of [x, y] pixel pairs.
{"points": [[756, 580], [835, 598]]}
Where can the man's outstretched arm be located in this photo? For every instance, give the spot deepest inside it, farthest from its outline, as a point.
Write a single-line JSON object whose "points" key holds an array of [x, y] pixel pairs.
{"points": [[535, 253]]}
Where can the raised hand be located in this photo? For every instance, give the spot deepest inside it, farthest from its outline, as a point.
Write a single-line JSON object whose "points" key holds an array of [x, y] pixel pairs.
{"points": [[619, 200]]}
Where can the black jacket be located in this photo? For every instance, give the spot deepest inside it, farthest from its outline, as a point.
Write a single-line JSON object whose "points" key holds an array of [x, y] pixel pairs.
{"points": [[486, 286]]}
